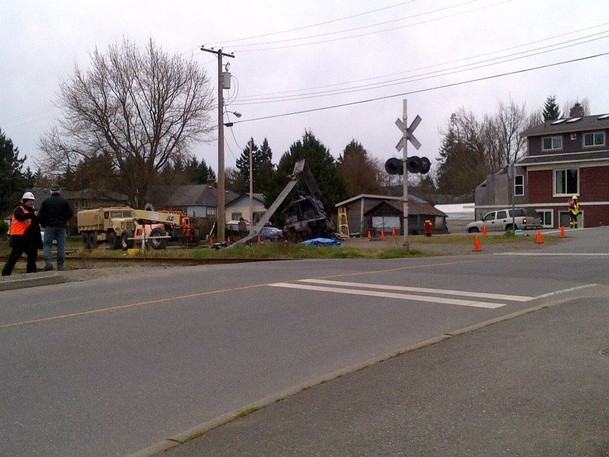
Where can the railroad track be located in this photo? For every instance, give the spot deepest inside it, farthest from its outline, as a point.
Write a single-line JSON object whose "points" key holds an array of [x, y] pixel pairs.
{"points": [[93, 261]]}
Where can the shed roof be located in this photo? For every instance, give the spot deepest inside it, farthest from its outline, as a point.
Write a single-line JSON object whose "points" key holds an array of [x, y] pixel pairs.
{"points": [[415, 207]]}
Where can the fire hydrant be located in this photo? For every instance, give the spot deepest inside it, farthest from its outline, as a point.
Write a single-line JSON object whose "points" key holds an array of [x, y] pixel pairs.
{"points": [[428, 227]]}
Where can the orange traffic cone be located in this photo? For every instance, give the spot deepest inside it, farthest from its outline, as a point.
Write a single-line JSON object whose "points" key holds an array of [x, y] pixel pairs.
{"points": [[393, 232], [258, 241], [369, 234], [562, 231], [484, 232], [539, 239], [383, 235], [211, 240], [477, 247], [228, 239]]}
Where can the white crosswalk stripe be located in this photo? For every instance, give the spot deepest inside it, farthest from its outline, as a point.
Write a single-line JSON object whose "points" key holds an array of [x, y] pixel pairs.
{"points": [[398, 292]]}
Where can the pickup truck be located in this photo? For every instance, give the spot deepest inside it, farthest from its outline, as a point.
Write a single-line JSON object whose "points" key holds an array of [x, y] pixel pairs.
{"points": [[504, 219]]}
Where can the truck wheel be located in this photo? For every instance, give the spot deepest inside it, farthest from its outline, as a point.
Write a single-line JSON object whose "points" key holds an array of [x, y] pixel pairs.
{"points": [[126, 243], [85, 239], [92, 243], [113, 240], [159, 243], [473, 230]]}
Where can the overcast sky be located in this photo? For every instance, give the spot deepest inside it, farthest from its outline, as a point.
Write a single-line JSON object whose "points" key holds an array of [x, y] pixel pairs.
{"points": [[345, 66]]}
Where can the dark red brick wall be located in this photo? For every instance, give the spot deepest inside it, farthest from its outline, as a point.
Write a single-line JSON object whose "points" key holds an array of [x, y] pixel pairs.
{"points": [[594, 184], [540, 186]]}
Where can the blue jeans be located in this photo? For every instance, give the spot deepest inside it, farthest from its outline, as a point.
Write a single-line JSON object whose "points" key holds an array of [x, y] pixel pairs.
{"points": [[54, 234]]}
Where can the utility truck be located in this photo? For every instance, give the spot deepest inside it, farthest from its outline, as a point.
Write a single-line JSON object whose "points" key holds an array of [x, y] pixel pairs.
{"points": [[123, 227]]}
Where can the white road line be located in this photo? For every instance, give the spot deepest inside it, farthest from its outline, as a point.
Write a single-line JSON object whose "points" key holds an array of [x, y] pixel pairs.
{"points": [[458, 293], [555, 254], [371, 293], [564, 291]]}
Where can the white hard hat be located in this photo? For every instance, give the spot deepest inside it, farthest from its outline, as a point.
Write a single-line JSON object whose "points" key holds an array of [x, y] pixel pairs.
{"points": [[28, 196]]}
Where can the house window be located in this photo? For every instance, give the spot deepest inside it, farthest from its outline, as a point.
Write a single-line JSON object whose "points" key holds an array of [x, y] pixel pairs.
{"points": [[594, 139], [236, 216], [552, 143], [566, 182], [518, 185], [546, 217]]}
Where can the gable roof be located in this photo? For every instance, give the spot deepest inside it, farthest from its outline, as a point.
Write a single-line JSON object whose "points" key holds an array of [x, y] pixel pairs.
{"points": [[574, 124], [198, 195], [416, 206], [245, 197]]}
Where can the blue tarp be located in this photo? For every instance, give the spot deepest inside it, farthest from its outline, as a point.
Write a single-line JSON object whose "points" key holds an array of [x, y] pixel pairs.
{"points": [[321, 242]]}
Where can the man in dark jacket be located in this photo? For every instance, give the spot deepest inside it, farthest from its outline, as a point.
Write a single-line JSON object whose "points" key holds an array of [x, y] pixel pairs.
{"points": [[55, 212], [25, 235]]}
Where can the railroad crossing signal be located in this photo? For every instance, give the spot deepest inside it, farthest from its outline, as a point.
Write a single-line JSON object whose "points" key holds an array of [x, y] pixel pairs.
{"points": [[414, 164], [408, 133]]}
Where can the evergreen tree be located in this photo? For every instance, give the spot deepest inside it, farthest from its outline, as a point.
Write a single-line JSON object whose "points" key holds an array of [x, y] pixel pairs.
{"points": [[360, 171], [13, 180], [262, 167], [323, 167], [551, 111], [199, 172]]}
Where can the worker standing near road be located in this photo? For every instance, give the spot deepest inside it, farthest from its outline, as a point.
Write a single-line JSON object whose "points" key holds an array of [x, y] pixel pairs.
{"points": [[573, 211], [25, 235], [55, 212], [242, 228]]}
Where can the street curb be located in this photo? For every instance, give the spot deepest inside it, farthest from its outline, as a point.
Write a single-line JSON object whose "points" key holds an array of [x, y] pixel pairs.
{"points": [[29, 280]]}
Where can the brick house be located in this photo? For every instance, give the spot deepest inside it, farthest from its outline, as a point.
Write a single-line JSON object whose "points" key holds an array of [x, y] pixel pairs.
{"points": [[566, 157]]}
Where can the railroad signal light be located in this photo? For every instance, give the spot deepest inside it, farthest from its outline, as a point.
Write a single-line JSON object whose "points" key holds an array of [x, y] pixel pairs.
{"points": [[394, 166], [417, 164], [414, 164]]}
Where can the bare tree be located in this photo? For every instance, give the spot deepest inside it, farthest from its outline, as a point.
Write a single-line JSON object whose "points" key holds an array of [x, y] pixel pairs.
{"points": [[501, 135], [141, 107]]}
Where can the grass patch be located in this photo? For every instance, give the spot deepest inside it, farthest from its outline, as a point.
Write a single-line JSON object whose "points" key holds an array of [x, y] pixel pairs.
{"points": [[351, 249]]}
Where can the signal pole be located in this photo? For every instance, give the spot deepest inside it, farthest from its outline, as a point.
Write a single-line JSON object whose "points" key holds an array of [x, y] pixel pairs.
{"points": [[221, 212], [407, 135]]}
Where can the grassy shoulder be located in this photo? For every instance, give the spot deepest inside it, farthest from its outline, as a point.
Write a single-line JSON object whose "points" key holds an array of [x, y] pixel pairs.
{"points": [[355, 248]]}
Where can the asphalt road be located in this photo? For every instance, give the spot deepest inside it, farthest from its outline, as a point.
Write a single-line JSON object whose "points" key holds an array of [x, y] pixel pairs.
{"points": [[130, 363]]}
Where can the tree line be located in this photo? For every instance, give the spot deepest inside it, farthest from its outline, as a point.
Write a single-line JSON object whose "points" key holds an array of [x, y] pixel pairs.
{"points": [[130, 120]]}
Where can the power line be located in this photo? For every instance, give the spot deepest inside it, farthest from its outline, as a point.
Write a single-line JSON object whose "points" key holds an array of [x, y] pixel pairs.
{"points": [[415, 78], [333, 21], [367, 27], [429, 89], [277, 96]]}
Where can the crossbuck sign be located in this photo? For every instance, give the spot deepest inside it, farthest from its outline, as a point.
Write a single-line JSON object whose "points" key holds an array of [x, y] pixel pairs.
{"points": [[407, 133]]}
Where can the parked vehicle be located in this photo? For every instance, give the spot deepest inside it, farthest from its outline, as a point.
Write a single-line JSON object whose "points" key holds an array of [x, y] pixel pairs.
{"points": [[268, 233], [122, 227], [507, 219]]}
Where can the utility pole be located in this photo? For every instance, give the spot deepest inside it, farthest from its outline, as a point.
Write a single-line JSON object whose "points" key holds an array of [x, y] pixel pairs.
{"points": [[221, 212], [251, 186]]}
